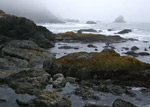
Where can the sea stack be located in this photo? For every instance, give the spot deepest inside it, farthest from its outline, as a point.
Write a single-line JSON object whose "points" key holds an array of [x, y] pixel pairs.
{"points": [[120, 19]]}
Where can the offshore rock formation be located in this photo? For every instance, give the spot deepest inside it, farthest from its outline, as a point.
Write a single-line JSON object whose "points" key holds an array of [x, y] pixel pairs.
{"points": [[120, 19], [91, 22]]}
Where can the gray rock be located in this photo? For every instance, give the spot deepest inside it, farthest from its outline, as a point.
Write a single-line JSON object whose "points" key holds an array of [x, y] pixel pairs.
{"points": [[59, 80], [122, 103], [28, 81], [91, 22], [50, 99], [134, 48], [23, 54]]}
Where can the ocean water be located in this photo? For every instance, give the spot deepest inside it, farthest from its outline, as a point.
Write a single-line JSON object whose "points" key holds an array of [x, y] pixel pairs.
{"points": [[140, 31]]}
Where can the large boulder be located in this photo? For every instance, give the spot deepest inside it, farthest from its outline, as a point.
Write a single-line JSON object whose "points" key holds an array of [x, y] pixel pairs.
{"points": [[23, 54], [24, 29], [105, 65], [28, 81], [50, 99], [119, 19]]}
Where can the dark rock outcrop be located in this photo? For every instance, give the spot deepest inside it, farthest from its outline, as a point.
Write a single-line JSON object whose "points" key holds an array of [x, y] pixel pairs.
{"points": [[73, 37], [93, 105], [134, 48], [86, 30], [24, 29], [124, 31], [91, 46], [136, 54], [119, 19], [67, 47], [91, 22], [122, 103]]}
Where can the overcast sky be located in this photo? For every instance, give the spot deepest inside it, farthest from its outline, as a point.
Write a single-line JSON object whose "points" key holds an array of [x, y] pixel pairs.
{"points": [[102, 10]]}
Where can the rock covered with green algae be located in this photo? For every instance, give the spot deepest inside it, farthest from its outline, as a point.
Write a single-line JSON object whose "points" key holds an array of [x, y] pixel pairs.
{"points": [[104, 65], [50, 99], [73, 37]]}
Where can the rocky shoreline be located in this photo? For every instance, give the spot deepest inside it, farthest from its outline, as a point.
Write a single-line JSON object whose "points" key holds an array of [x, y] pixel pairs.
{"points": [[35, 78]]}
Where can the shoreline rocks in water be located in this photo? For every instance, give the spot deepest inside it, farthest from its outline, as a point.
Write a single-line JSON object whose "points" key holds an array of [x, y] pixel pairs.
{"points": [[73, 37], [91, 22], [86, 30], [124, 31]]}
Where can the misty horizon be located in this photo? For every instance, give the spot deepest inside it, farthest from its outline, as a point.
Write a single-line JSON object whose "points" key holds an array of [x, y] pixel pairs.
{"points": [[84, 10]]}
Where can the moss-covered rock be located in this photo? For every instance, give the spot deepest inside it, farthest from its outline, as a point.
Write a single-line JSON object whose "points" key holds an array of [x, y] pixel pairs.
{"points": [[106, 64], [71, 36], [50, 99]]}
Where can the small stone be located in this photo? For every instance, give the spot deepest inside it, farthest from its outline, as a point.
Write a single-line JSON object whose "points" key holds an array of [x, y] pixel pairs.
{"points": [[22, 102], [59, 81], [91, 46]]}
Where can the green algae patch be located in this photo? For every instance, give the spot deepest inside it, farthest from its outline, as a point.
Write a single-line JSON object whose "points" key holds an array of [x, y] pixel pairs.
{"points": [[87, 37], [101, 64]]}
